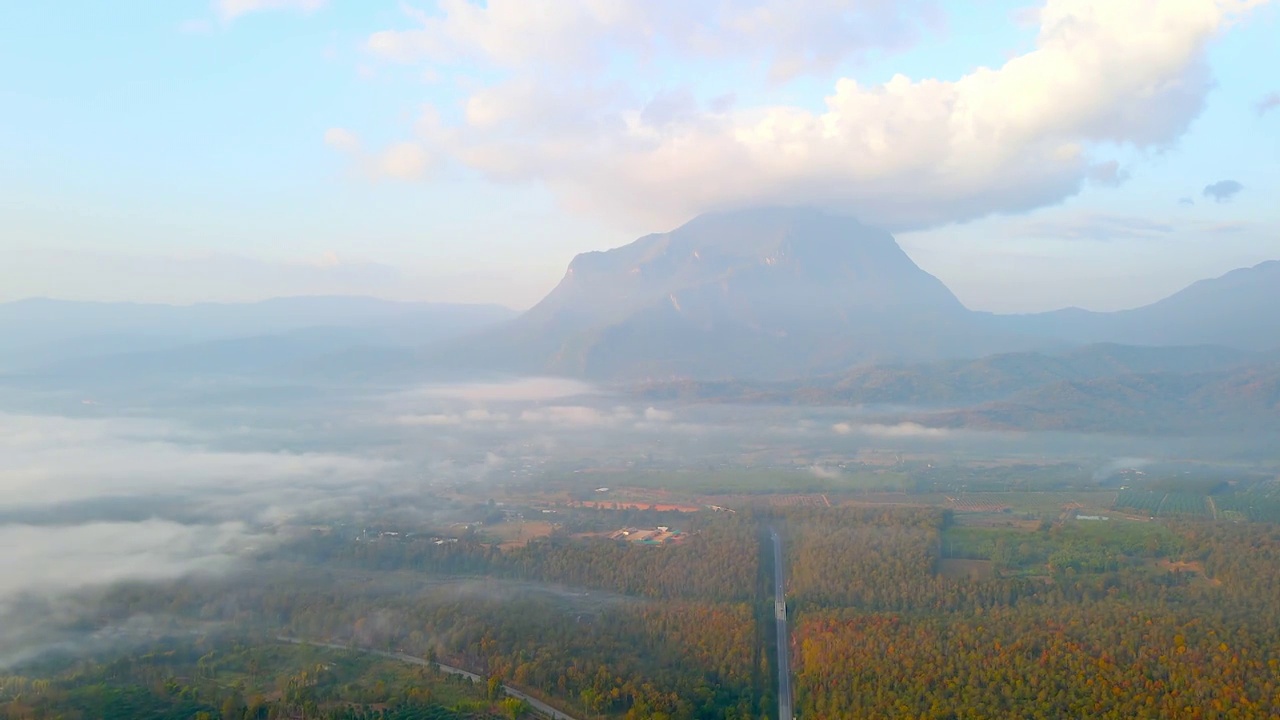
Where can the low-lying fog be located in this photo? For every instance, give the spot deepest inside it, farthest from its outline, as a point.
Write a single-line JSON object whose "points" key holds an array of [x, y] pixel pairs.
{"points": [[94, 492]]}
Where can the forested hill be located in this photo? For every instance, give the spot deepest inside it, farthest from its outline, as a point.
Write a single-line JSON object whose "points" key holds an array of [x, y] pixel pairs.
{"points": [[1097, 388], [1237, 401]]}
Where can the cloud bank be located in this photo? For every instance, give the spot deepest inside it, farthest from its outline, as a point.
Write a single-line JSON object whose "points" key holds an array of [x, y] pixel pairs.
{"points": [[904, 154], [46, 461]]}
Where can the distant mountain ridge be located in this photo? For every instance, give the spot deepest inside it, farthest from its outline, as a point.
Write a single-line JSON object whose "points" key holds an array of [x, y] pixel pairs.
{"points": [[772, 293], [1234, 310], [41, 332], [765, 294], [1099, 388], [1238, 401], [953, 382]]}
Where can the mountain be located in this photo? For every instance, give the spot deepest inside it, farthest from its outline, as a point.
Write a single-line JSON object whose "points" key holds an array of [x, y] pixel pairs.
{"points": [[1099, 388], [81, 336], [1232, 310], [1240, 401], [959, 382], [769, 292], [775, 293]]}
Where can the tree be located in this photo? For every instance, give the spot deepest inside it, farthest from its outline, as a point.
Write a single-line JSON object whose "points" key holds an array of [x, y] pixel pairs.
{"points": [[516, 708]]}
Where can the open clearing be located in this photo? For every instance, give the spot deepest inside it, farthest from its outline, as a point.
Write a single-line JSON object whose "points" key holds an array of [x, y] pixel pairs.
{"points": [[516, 533], [970, 569]]}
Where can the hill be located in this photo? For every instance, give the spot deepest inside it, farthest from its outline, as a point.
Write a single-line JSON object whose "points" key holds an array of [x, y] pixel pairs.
{"points": [[1231, 310], [1241, 401], [1098, 388], [952, 382], [68, 337]]}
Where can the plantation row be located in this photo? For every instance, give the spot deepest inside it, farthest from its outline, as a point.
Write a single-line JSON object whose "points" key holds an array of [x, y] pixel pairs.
{"points": [[1161, 504]]}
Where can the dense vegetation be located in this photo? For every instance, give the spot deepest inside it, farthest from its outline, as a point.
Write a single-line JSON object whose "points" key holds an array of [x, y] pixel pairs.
{"points": [[227, 678], [897, 612], [1107, 620], [644, 632], [719, 561]]}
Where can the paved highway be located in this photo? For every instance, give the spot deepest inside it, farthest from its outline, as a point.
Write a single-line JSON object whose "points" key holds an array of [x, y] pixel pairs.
{"points": [[780, 616], [535, 703]]}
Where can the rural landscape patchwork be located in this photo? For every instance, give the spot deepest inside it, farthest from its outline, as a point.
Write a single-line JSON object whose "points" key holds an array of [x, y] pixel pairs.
{"points": [[340, 381]]}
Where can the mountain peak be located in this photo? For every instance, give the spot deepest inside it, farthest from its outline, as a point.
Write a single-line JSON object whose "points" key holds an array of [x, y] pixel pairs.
{"points": [[778, 282]]}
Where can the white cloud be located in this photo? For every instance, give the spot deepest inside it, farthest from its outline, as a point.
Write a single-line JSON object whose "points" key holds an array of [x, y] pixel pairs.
{"points": [[85, 503], [824, 473], [403, 161], [656, 415], [341, 139], [46, 461], [49, 559], [901, 430], [533, 389], [229, 10], [45, 567], [566, 415], [907, 153]]}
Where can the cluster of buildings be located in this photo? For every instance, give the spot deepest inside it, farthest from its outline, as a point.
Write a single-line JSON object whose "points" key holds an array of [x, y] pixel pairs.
{"points": [[660, 535]]}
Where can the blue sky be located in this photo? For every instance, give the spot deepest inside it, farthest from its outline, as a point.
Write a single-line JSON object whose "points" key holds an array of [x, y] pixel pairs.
{"points": [[242, 149]]}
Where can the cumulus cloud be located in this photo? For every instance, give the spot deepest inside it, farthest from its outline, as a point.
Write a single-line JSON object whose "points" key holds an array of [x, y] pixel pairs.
{"points": [[231, 9], [906, 153], [1222, 191], [1185, 202], [1269, 102]]}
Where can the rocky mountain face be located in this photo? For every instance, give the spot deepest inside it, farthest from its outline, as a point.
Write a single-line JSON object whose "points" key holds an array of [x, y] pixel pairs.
{"points": [[771, 293], [758, 293]]}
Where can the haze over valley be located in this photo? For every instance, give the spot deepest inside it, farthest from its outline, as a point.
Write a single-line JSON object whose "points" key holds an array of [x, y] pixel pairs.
{"points": [[639, 360]]}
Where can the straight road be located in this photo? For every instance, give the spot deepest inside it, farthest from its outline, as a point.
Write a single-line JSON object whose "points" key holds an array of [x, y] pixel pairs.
{"points": [[785, 711], [534, 703]]}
